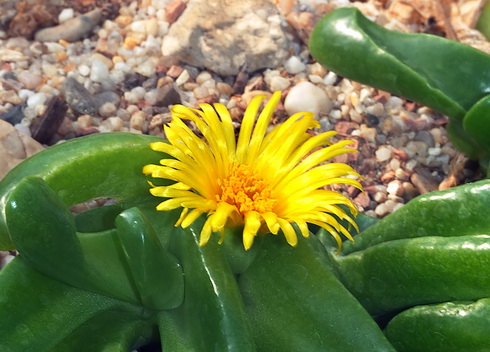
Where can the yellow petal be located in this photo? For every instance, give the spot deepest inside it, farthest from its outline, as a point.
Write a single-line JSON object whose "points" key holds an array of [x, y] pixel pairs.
{"points": [[288, 231], [252, 226]]}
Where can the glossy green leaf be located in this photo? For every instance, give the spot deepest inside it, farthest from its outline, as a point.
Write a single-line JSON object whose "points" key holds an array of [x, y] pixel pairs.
{"points": [[445, 327], [451, 212], [443, 74], [398, 274], [39, 314], [296, 304], [212, 316], [96, 166], [477, 121], [156, 273]]}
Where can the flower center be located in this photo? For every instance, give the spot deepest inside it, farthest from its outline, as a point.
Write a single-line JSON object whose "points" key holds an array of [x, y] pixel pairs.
{"points": [[246, 191]]}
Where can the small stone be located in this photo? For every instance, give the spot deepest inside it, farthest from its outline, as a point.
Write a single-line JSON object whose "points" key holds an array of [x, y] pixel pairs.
{"points": [[381, 210], [410, 191], [362, 199], [137, 121], [175, 71], [294, 65], [425, 137], [203, 77], [368, 133], [400, 174], [330, 78], [395, 187], [183, 77], [394, 164], [424, 182], [279, 83], [200, 92], [84, 70], [224, 88], [147, 68], [305, 96], [99, 71], [113, 123], [85, 121], [380, 197], [65, 15], [71, 30], [10, 96], [107, 109], [36, 99], [29, 79], [78, 97], [174, 9]]}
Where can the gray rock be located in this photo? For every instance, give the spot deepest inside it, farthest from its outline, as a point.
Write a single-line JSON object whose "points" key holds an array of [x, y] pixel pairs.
{"points": [[71, 30], [224, 35], [79, 98]]}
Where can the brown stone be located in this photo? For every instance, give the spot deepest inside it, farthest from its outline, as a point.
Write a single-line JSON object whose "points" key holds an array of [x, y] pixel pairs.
{"points": [[14, 147]]}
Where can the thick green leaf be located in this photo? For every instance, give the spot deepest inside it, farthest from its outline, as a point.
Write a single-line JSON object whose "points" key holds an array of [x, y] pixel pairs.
{"points": [[106, 165], [451, 212], [212, 317], [443, 74], [398, 274], [295, 303], [156, 273], [446, 327], [39, 314]]}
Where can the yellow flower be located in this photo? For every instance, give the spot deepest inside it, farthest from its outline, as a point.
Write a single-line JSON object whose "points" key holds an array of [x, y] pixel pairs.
{"points": [[265, 181]]}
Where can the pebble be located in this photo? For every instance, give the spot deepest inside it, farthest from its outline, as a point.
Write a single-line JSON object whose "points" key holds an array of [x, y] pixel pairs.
{"points": [[383, 153], [395, 187], [137, 121], [99, 71], [279, 83], [29, 80], [71, 30], [183, 77], [294, 65], [36, 99], [107, 109], [84, 70], [66, 14], [78, 97], [305, 96]]}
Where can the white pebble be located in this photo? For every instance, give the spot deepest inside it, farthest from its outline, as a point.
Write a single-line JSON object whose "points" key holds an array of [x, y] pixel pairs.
{"points": [[24, 94], [379, 197], [279, 83], [139, 26], [294, 65], [36, 99], [84, 70], [395, 188], [203, 77], [131, 97], [330, 78], [383, 154], [183, 77], [434, 151], [65, 15], [305, 96], [315, 79], [99, 71], [200, 92], [147, 68], [107, 109]]}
